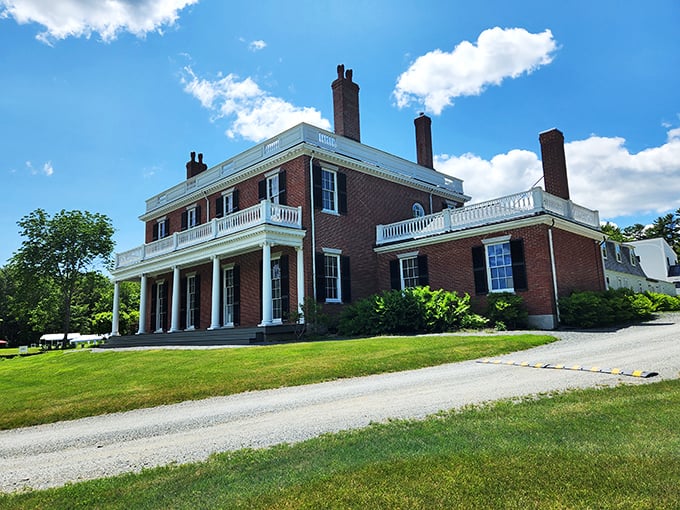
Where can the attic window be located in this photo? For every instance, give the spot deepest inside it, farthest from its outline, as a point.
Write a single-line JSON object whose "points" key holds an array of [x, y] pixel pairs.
{"points": [[618, 252]]}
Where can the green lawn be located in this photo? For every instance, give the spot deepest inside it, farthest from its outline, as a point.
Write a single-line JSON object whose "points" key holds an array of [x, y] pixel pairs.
{"points": [[606, 448], [60, 385]]}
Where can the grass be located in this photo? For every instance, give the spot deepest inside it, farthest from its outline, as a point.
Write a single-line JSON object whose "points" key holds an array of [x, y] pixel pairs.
{"points": [[607, 448], [61, 385]]}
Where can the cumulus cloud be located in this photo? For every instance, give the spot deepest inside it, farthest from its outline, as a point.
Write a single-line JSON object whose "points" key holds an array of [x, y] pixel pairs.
{"points": [[436, 78], [253, 113], [603, 175], [46, 169], [78, 18]]}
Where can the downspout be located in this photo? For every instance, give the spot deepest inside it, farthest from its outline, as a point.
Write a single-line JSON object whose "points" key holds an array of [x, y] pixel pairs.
{"points": [[311, 214], [431, 211], [554, 272], [207, 207]]}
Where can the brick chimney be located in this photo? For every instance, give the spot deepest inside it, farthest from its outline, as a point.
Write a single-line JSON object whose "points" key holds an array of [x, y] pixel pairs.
{"points": [[346, 105], [554, 163], [195, 167], [424, 140]]}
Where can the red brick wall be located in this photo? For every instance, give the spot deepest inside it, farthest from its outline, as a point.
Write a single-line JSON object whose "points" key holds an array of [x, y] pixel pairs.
{"points": [[450, 266]]}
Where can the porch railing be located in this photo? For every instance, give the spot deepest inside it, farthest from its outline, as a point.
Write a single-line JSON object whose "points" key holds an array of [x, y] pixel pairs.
{"points": [[505, 208], [265, 212]]}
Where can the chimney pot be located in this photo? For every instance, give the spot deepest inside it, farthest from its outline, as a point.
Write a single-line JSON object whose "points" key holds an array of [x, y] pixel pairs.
{"points": [[195, 167]]}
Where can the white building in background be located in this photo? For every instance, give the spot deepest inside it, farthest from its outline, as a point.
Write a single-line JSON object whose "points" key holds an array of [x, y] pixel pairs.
{"points": [[658, 260]]}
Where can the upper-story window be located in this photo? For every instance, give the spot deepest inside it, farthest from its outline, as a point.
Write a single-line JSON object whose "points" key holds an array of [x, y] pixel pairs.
{"points": [[617, 248], [226, 203], [330, 189], [633, 258], [273, 188], [161, 229], [191, 217], [418, 210], [329, 192], [603, 247]]}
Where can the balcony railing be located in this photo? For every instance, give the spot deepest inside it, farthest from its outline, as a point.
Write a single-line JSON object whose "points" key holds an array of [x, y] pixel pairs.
{"points": [[265, 212], [505, 208]]}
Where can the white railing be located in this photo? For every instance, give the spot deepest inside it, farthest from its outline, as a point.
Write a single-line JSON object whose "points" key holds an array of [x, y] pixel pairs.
{"points": [[493, 211], [263, 213]]}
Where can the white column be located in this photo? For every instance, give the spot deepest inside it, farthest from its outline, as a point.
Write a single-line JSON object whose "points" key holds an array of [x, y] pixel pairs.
{"points": [[300, 280], [174, 325], [116, 309], [267, 311], [215, 312], [142, 307]]}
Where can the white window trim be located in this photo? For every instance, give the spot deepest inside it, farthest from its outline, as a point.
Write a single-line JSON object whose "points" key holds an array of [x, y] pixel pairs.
{"points": [[275, 257], [408, 255], [330, 252], [402, 260], [419, 207], [489, 282], [334, 172], [225, 268], [191, 327], [617, 250]]}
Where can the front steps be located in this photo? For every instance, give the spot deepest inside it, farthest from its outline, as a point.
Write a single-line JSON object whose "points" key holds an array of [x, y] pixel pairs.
{"points": [[224, 336]]}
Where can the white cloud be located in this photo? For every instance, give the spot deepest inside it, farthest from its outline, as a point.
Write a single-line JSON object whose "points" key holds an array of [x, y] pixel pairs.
{"points": [[47, 169], [257, 45], [436, 78], [603, 175], [78, 18], [255, 115]]}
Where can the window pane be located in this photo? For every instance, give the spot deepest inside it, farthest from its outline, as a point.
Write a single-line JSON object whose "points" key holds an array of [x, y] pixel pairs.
{"points": [[500, 266]]}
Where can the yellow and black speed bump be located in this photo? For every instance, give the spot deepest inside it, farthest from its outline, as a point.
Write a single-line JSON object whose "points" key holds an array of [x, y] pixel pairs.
{"points": [[615, 371]]}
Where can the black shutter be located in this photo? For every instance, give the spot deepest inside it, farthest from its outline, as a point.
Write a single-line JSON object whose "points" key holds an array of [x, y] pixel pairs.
{"points": [[262, 190], [320, 276], [185, 220], [395, 277], [154, 232], [282, 188], [197, 307], [154, 300], [345, 280], [219, 207], [234, 201], [423, 275], [318, 195], [237, 295], [198, 215], [479, 270], [285, 287], [183, 304], [342, 193], [519, 270], [167, 227]]}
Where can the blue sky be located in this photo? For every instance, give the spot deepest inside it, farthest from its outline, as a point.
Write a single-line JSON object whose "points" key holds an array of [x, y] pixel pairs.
{"points": [[102, 102]]}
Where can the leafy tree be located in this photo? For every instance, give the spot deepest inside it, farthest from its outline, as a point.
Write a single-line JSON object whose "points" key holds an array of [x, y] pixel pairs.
{"points": [[62, 249], [635, 232], [613, 232]]}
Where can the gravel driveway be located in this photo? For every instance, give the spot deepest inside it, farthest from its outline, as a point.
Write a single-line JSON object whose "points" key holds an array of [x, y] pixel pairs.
{"points": [[52, 455]]}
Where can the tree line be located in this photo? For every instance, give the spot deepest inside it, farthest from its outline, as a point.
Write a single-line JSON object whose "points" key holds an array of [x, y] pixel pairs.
{"points": [[54, 283], [666, 227]]}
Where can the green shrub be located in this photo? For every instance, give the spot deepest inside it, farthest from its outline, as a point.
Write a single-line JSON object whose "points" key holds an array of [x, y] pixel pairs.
{"points": [[664, 302], [612, 307], [507, 310], [412, 310]]}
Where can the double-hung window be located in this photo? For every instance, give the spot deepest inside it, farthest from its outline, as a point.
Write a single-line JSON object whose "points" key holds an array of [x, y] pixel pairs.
{"points": [[273, 188], [498, 265], [409, 270], [191, 301], [329, 190], [277, 303], [332, 277], [192, 217]]}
